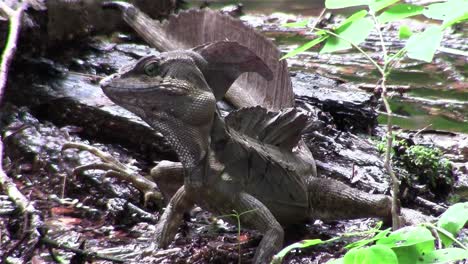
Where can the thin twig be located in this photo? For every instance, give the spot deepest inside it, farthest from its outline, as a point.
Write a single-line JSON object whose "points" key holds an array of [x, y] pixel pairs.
{"points": [[14, 17], [31, 226], [318, 19], [422, 129]]}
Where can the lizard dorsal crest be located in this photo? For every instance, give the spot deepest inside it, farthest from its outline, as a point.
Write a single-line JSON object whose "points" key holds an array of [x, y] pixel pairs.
{"points": [[282, 129], [226, 61]]}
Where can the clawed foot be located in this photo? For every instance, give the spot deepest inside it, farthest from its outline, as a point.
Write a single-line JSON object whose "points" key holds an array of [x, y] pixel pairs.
{"points": [[116, 169]]}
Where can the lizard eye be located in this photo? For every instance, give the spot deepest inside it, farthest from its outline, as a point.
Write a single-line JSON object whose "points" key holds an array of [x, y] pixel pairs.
{"points": [[151, 69]]}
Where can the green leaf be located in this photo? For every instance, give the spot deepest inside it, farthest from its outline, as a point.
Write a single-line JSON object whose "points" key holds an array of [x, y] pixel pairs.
{"points": [[301, 244], [304, 47], [409, 243], [352, 18], [453, 220], [405, 32], [336, 4], [381, 4], [422, 46], [298, 24], [364, 242], [398, 12], [355, 32], [371, 255], [446, 11], [407, 236], [443, 256], [455, 20]]}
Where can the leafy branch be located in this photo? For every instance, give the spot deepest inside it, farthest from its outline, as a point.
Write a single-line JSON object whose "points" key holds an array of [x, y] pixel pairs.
{"points": [[411, 244], [357, 27]]}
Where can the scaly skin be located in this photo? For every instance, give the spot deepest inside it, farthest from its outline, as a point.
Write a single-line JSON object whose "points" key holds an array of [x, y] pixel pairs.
{"points": [[243, 163]]}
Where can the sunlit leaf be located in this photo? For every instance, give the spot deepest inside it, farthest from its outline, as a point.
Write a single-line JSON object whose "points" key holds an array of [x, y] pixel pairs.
{"points": [[446, 11], [371, 255], [381, 4], [422, 46], [301, 244], [407, 236], [446, 255], [298, 24], [335, 4], [363, 242], [304, 47], [404, 32], [453, 220], [409, 243], [455, 20], [398, 12], [352, 18], [355, 32]]}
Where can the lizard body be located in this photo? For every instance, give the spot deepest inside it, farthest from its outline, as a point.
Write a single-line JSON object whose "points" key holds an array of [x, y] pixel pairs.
{"points": [[251, 160]]}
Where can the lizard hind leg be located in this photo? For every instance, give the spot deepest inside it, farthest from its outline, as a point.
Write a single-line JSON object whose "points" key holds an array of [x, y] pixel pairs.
{"points": [[334, 200]]}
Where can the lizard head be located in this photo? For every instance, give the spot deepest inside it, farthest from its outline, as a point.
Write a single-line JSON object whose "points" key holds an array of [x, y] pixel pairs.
{"points": [[164, 86]]}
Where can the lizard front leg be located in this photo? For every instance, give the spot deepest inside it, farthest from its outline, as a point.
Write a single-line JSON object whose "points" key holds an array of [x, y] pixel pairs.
{"points": [[260, 218], [172, 217]]}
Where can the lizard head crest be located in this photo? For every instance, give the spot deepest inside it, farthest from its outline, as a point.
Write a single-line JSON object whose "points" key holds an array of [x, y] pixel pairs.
{"points": [[224, 61]]}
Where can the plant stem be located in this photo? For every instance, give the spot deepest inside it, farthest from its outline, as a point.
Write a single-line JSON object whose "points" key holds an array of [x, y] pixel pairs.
{"points": [[447, 234], [238, 216], [395, 210], [388, 162], [380, 69], [382, 43]]}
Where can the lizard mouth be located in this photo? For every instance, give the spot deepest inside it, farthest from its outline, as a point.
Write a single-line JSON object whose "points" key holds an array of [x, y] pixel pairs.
{"points": [[113, 86]]}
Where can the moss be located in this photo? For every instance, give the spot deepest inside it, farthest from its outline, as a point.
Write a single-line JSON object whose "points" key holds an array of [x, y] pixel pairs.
{"points": [[426, 166]]}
